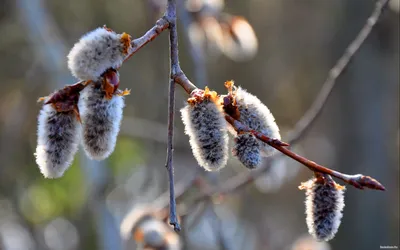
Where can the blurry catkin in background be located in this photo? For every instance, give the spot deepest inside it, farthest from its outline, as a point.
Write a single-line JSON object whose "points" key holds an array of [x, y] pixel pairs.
{"points": [[101, 120], [207, 129], [324, 205], [141, 229], [58, 140]]}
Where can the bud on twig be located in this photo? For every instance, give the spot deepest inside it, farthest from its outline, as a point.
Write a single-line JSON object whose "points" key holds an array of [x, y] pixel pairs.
{"points": [[206, 127]]}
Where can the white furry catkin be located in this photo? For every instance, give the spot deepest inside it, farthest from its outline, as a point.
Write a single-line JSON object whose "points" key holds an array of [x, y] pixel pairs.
{"points": [[58, 140], [206, 127], [247, 149], [96, 52], [255, 115], [101, 120], [324, 205]]}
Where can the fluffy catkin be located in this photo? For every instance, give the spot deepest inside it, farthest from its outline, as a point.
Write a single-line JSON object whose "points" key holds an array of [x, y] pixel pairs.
{"points": [[324, 205], [206, 127], [255, 115], [96, 52], [101, 120], [247, 149], [58, 140]]}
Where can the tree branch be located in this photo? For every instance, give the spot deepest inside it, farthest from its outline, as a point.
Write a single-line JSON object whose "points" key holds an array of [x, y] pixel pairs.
{"points": [[302, 126], [174, 68], [358, 181], [178, 76]]}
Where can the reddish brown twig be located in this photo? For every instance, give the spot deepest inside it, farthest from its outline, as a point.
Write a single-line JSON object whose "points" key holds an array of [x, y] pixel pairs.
{"points": [[161, 25], [358, 181]]}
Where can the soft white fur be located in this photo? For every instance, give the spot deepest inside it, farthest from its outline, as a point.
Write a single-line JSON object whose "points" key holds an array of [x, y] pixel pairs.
{"points": [[207, 130], [257, 116], [68, 127], [101, 121], [96, 52]]}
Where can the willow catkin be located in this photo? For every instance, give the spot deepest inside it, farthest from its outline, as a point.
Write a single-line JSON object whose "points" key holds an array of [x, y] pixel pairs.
{"points": [[58, 140], [255, 115], [206, 127], [247, 150], [324, 205], [101, 120], [97, 51]]}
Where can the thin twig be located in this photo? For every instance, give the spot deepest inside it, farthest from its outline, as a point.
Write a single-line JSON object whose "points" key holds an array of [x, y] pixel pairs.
{"points": [[161, 25], [358, 181], [304, 124], [174, 68]]}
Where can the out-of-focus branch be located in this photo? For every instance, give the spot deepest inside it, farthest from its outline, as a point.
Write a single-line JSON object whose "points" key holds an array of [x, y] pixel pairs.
{"points": [[196, 52], [313, 112]]}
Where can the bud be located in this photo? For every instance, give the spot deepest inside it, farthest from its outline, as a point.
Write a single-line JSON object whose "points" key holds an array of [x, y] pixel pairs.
{"points": [[97, 51], [247, 149], [254, 114], [58, 140], [324, 205], [206, 126], [101, 120]]}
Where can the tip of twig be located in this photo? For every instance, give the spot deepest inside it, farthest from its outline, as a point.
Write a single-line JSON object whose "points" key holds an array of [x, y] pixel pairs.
{"points": [[362, 181], [177, 227]]}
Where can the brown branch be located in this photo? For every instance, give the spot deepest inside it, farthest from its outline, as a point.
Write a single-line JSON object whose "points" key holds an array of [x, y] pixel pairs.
{"points": [[178, 76], [358, 181], [174, 68], [161, 25], [313, 112], [243, 179]]}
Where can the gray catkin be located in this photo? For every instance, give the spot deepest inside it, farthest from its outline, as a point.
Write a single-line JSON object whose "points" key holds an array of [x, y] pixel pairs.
{"points": [[255, 115], [101, 120], [324, 205], [58, 140], [206, 128], [96, 52], [247, 149]]}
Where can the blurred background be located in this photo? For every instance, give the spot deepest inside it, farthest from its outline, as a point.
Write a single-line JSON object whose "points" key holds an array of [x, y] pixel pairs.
{"points": [[280, 50]]}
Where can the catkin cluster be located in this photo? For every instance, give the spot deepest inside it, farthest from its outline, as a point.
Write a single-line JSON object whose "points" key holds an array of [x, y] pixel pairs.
{"points": [[90, 111], [143, 229], [204, 120], [324, 205]]}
